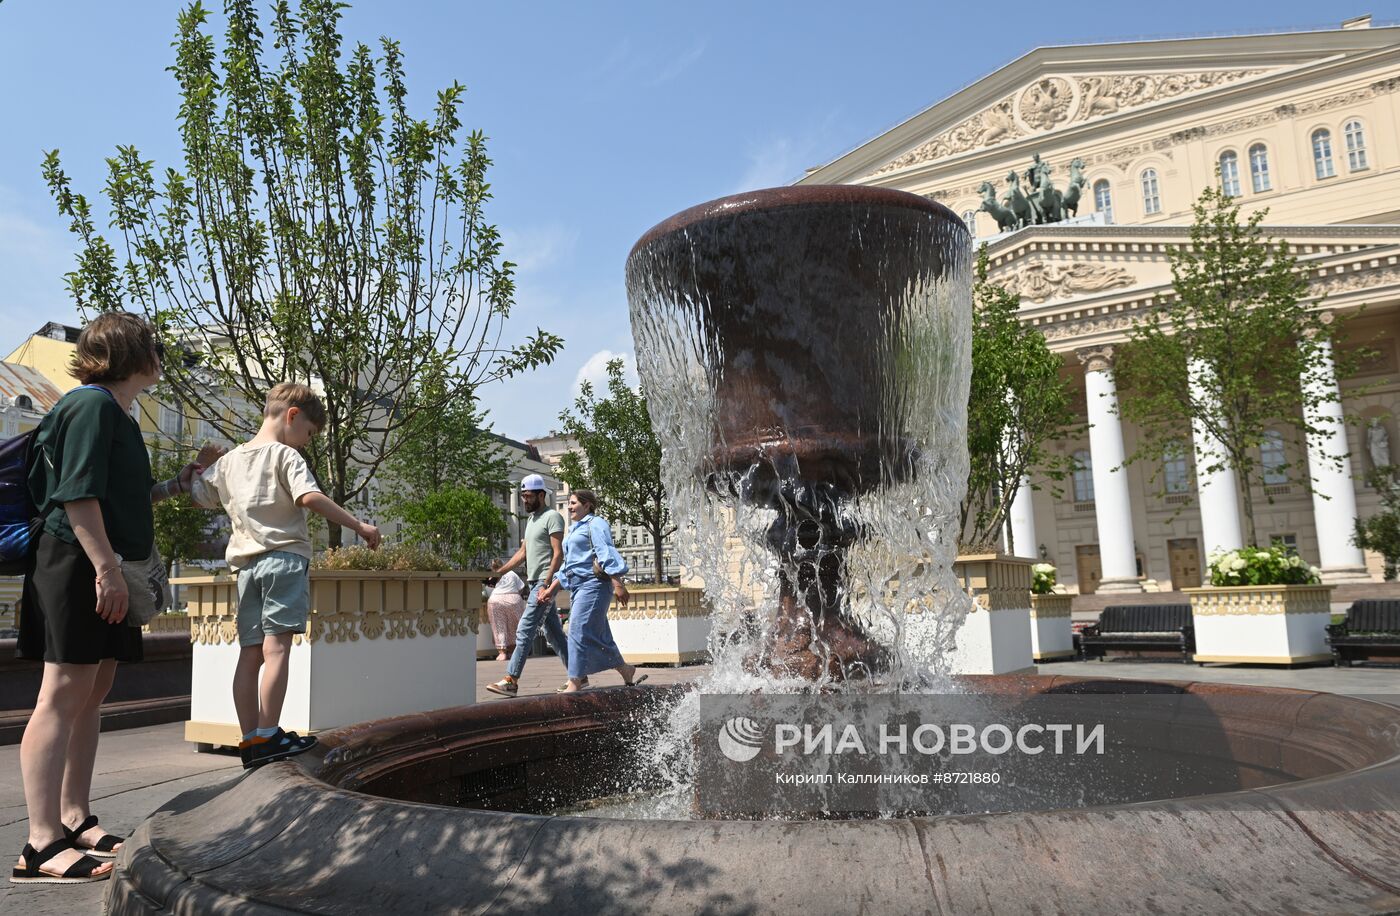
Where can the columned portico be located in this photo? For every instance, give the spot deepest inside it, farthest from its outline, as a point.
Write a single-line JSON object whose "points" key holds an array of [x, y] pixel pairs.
{"points": [[1329, 463], [1217, 492], [1112, 505]]}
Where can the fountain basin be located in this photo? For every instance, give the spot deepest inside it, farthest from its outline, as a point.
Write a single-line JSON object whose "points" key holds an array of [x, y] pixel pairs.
{"points": [[368, 824]]}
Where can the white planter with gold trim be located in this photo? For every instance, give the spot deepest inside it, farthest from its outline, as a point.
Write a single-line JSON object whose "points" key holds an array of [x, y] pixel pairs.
{"points": [[668, 625], [378, 643], [996, 637], [1261, 624], [1052, 637]]}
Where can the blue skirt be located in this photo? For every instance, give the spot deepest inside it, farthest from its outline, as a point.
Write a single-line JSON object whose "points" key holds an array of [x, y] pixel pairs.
{"points": [[591, 646]]}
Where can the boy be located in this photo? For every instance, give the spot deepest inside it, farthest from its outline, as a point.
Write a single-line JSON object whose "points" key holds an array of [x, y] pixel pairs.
{"points": [[265, 485]]}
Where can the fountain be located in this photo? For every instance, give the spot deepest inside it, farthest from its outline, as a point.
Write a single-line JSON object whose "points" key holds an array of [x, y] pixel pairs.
{"points": [[805, 350]]}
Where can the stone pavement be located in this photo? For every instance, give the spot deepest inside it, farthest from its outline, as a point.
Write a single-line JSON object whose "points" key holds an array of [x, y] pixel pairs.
{"points": [[139, 769]]}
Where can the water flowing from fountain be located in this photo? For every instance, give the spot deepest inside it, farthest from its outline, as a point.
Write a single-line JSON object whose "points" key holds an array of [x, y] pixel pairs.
{"points": [[805, 354]]}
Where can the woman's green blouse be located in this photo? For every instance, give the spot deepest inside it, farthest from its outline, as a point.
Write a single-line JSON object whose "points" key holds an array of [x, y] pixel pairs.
{"points": [[89, 448]]}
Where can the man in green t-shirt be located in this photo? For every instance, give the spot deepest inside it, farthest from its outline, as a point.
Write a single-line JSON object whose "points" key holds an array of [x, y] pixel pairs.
{"points": [[542, 552]]}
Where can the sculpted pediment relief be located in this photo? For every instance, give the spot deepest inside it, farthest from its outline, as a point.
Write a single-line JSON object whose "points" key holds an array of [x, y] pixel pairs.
{"points": [[1041, 281], [1057, 101]]}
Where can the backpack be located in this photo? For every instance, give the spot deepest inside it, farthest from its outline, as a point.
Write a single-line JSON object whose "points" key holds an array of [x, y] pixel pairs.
{"points": [[19, 517]]}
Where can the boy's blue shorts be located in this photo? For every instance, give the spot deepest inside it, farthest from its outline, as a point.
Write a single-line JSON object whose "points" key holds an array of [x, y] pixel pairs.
{"points": [[274, 596]]}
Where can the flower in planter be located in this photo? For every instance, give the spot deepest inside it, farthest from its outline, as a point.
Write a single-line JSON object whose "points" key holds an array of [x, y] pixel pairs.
{"points": [[400, 557], [1274, 565], [1042, 579]]}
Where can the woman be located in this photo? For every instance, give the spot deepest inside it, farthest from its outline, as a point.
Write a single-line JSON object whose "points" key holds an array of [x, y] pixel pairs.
{"points": [[591, 646], [504, 607], [91, 479]]}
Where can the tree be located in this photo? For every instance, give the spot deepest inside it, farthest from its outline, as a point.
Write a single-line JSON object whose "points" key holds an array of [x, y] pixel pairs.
{"points": [[1234, 352], [182, 528], [1381, 532], [620, 460], [438, 482], [1017, 405], [450, 447], [317, 233], [458, 523]]}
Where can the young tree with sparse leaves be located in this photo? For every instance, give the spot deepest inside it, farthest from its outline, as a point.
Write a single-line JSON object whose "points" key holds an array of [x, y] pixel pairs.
{"points": [[317, 232], [620, 460], [1235, 351], [1017, 405], [1381, 532]]}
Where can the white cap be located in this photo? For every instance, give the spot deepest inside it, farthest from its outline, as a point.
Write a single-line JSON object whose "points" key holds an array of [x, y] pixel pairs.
{"points": [[533, 482]]}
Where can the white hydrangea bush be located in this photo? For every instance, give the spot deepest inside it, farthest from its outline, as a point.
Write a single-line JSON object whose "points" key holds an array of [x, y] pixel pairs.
{"points": [[1275, 565]]}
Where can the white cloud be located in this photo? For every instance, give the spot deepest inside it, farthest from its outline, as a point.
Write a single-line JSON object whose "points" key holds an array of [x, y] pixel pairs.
{"points": [[781, 159], [536, 248], [595, 370], [774, 162], [680, 64]]}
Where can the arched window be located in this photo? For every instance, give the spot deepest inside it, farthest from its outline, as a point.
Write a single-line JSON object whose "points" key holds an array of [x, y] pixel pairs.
{"points": [[970, 218], [1272, 459], [1083, 476], [1151, 197], [1176, 476], [1356, 145], [1259, 168], [24, 402], [1103, 199], [1322, 153], [1230, 173]]}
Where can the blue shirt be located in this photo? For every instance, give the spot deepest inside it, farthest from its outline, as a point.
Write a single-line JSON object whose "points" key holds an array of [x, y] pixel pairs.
{"points": [[588, 534]]}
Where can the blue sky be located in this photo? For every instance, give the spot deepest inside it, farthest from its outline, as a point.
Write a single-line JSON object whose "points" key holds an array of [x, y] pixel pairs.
{"points": [[604, 119]]}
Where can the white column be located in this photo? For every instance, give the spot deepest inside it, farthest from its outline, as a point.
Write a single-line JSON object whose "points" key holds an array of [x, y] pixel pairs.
{"points": [[1112, 506], [1334, 499], [1216, 491], [1021, 521]]}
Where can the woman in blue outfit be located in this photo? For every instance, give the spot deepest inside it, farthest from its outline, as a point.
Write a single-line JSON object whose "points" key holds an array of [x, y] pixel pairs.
{"points": [[591, 646]]}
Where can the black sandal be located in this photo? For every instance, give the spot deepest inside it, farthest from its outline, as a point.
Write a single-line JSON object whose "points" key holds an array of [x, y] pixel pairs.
{"points": [[106, 846], [80, 872]]}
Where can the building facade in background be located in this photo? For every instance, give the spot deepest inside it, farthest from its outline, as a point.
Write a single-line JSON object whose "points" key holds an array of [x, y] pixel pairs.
{"points": [[1305, 124]]}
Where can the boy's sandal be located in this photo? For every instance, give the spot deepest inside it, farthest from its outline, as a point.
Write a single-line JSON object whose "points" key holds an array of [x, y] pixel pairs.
{"points": [[80, 872], [505, 688], [106, 847], [565, 689]]}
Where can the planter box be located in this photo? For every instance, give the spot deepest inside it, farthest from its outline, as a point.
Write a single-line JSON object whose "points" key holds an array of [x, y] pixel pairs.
{"points": [[996, 637], [1052, 637], [669, 625], [378, 643], [1261, 624]]}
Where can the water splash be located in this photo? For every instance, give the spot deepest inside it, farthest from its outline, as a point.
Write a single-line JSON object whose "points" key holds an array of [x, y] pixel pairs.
{"points": [[805, 355]]}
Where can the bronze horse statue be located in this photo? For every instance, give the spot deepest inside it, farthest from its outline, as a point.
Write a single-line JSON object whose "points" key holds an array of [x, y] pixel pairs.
{"points": [[1070, 201], [1006, 219], [1017, 202]]}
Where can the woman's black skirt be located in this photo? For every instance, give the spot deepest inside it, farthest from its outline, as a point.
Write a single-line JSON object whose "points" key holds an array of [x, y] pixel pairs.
{"points": [[58, 619]]}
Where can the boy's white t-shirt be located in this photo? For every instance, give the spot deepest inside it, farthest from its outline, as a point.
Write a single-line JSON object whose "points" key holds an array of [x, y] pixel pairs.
{"points": [[258, 486]]}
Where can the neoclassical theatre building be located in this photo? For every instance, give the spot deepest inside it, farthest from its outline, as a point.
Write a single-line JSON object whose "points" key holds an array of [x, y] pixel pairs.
{"points": [[1128, 134]]}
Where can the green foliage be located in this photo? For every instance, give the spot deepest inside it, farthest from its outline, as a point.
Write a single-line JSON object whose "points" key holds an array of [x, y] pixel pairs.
{"points": [[1275, 565], [449, 446], [400, 557], [316, 232], [455, 522], [1381, 532], [182, 528], [1042, 579], [621, 459], [1237, 322], [1017, 405]]}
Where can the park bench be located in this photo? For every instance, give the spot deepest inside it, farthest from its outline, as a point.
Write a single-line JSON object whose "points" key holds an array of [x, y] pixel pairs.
{"points": [[1371, 629], [1137, 627]]}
